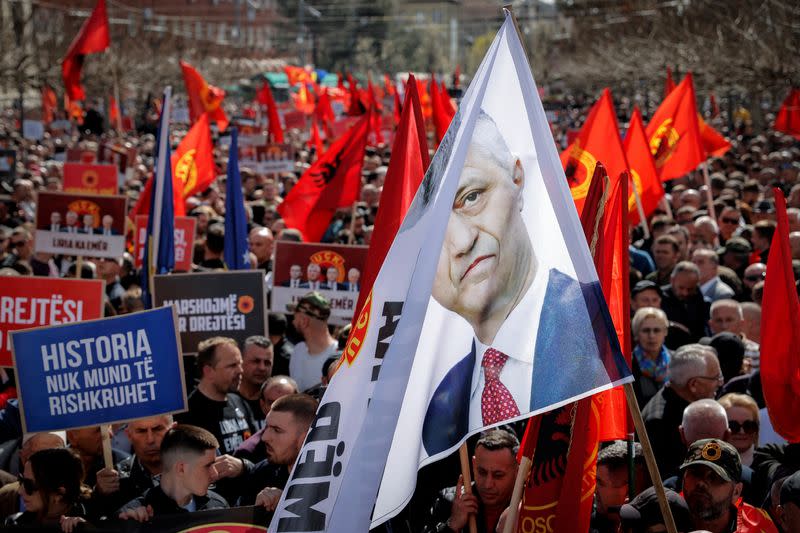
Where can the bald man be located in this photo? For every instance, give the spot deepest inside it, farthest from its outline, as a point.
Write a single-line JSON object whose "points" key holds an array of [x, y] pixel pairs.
{"points": [[261, 243]]}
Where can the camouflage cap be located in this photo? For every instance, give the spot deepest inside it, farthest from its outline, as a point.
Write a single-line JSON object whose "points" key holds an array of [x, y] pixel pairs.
{"points": [[716, 454], [312, 304]]}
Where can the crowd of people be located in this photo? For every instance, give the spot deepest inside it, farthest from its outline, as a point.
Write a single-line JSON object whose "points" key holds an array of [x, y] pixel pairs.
{"points": [[697, 278]]}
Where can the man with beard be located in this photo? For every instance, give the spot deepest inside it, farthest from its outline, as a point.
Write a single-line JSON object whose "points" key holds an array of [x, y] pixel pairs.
{"points": [[712, 488], [211, 405]]}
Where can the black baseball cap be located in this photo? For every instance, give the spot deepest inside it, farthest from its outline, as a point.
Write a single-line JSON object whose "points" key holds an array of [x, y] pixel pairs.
{"points": [[645, 285], [790, 490], [643, 511], [716, 454]]}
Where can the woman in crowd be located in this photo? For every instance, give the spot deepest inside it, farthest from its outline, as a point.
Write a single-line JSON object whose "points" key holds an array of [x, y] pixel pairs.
{"points": [[743, 422], [51, 490], [650, 356]]}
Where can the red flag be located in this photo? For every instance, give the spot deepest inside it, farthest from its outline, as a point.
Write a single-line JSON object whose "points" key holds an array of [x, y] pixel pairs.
{"points": [[714, 106], [457, 77], [598, 141], [332, 182], [424, 99], [449, 108], [403, 177], [388, 85], [264, 97], [297, 75], [91, 39], [398, 107], [780, 333], [441, 118], [113, 112], [324, 111], [376, 123], [314, 140], [49, 104], [642, 169], [788, 118], [304, 100], [714, 144], [193, 160], [669, 84], [674, 134], [356, 106], [203, 97]]}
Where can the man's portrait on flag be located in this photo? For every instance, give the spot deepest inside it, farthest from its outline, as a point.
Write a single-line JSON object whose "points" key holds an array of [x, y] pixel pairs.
{"points": [[533, 340]]}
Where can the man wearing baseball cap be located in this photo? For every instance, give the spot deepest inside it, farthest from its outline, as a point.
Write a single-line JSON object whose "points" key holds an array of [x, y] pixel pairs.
{"points": [[789, 509], [311, 320], [712, 487]]}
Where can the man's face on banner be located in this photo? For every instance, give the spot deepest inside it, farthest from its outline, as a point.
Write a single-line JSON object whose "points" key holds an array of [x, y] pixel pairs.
{"points": [[295, 271], [482, 264], [313, 271]]}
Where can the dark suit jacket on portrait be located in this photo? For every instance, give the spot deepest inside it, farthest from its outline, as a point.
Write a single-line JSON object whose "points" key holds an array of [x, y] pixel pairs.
{"points": [[571, 357]]}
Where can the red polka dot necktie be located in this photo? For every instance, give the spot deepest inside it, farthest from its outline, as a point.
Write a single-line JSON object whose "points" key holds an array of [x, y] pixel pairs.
{"points": [[497, 404]]}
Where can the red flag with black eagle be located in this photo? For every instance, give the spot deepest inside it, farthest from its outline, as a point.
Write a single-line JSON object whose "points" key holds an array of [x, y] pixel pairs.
{"points": [[332, 182], [91, 39], [265, 98]]}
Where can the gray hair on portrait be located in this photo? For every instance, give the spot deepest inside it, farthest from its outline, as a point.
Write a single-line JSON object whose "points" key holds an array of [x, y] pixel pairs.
{"points": [[487, 142]]}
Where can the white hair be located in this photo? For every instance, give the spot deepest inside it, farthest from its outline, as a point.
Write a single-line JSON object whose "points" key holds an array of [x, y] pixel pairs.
{"points": [[727, 303], [688, 362], [704, 419]]}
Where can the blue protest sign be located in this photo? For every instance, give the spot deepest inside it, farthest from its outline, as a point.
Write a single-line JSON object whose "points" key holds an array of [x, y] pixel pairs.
{"points": [[99, 371]]}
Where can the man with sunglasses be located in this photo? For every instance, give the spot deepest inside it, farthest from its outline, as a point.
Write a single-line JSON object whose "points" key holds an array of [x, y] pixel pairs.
{"points": [[693, 374], [20, 247], [728, 221]]}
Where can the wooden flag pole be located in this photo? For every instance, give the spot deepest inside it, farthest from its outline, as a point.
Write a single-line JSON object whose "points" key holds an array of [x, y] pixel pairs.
{"points": [[351, 238], [78, 267], [639, 208], [463, 454], [516, 496], [105, 434], [650, 458]]}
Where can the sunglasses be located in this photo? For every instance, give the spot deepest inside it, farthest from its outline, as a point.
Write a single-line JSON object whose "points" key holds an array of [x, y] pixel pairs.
{"points": [[28, 485], [756, 277], [730, 220], [748, 426], [17, 244]]}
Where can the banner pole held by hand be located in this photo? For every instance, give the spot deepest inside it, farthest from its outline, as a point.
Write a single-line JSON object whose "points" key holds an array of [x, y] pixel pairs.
{"points": [[463, 454], [105, 433]]}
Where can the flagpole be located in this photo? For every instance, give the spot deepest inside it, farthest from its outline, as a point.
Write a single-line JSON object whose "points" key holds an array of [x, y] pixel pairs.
{"points": [[709, 198], [351, 238], [463, 455], [516, 496], [639, 208], [650, 458]]}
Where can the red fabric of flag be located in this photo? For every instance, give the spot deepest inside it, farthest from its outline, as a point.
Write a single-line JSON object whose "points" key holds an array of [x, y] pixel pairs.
{"points": [[598, 141], [92, 38], [674, 134], [788, 118], [314, 140], [780, 333], [398, 107], [324, 110], [193, 160], [49, 104], [714, 106], [355, 107], [264, 97], [304, 100], [388, 85], [203, 97], [406, 169], [669, 83], [714, 144], [447, 102], [113, 111], [332, 182], [441, 117], [297, 75], [642, 169]]}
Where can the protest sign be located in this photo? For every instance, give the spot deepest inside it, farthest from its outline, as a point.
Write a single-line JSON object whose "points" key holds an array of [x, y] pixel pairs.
{"points": [[99, 372], [267, 159], [81, 155], [27, 302], [80, 224], [184, 241], [33, 130], [332, 269], [92, 179], [294, 120], [210, 304], [8, 165], [123, 156]]}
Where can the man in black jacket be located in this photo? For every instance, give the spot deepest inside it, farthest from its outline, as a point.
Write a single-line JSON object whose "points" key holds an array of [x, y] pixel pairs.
{"points": [[684, 303], [188, 456], [212, 405]]}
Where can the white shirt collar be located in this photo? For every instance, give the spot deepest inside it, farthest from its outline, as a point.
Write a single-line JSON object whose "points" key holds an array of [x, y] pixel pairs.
{"points": [[517, 336]]}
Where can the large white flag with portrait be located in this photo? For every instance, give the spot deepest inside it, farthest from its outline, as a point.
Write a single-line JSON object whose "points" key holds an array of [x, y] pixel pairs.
{"points": [[487, 309]]}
